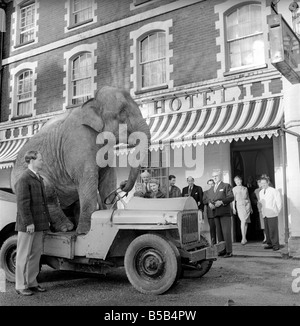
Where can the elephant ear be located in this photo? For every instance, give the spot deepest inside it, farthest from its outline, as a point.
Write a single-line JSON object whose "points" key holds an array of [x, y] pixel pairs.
{"points": [[91, 115]]}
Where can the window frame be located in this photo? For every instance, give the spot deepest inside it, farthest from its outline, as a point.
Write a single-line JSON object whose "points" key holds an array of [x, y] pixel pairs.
{"points": [[19, 7], [69, 17], [229, 70], [15, 73], [71, 97], [139, 64], [18, 94]]}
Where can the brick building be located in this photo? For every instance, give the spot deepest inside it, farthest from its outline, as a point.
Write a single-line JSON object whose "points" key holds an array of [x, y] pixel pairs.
{"points": [[200, 71]]}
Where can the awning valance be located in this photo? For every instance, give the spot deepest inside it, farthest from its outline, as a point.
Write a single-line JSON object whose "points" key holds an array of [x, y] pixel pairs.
{"points": [[9, 150], [243, 120]]}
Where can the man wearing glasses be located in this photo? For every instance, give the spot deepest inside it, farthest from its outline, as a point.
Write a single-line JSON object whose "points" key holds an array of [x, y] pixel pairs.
{"points": [[220, 204]]}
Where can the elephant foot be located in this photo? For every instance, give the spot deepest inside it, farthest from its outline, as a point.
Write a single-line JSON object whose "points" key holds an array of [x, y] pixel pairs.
{"points": [[64, 226], [82, 229]]}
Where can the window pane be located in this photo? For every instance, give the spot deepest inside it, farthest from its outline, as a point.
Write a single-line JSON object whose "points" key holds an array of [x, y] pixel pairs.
{"points": [[245, 36], [27, 21], [25, 93], [153, 59], [81, 78], [82, 10]]}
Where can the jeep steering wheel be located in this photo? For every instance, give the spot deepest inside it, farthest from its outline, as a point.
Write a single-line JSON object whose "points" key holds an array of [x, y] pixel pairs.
{"points": [[116, 197]]}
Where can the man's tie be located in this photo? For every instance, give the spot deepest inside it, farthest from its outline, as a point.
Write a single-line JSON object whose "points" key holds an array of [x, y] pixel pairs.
{"points": [[190, 190], [216, 187]]}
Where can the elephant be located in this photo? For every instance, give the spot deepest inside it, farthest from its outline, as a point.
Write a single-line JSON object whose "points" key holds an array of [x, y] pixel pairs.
{"points": [[69, 144]]}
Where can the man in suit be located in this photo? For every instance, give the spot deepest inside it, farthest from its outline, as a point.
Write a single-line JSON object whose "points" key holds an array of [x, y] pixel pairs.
{"points": [[208, 198], [174, 191], [146, 182], [194, 191], [32, 219], [220, 204]]}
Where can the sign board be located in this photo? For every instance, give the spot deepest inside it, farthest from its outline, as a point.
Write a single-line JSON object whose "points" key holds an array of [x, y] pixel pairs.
{"points": [[284, 48]]}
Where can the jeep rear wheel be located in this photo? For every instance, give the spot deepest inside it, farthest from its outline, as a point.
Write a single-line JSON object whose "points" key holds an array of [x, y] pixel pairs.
{"points": [[8, 253], [152, 264]]}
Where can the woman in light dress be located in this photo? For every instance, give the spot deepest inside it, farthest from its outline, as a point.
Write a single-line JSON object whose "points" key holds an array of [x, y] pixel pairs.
{"points": [[242, 206]]}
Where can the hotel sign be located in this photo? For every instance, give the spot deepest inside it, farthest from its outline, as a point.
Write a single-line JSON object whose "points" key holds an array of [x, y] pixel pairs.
{"points": [[284, 48]]}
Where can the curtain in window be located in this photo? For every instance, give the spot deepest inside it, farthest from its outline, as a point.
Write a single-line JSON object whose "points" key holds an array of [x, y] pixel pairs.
{"points": [[82, 10], [245, 36], [27, 21], [25, 94], [81, 78], [153, 59]]}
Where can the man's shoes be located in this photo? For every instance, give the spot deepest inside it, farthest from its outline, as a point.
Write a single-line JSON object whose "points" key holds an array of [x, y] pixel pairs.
{"points": [[222, 253], [25, 292], [276, 248], [268, 247], [227, 255], [265, 241], [37, 289]]}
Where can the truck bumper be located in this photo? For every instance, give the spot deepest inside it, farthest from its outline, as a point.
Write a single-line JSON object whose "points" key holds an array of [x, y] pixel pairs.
{"points": [[208, 253]]}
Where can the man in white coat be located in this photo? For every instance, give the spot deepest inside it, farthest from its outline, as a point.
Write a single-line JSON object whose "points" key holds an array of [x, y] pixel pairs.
{"points": [[270, 201]]}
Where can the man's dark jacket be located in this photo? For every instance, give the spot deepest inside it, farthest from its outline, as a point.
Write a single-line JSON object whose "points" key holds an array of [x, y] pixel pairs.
{"points": [[197, 194], [31, 203], [225, 194]]}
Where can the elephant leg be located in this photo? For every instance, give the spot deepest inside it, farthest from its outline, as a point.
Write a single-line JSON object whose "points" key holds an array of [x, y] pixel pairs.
{"points": [[107, 183], [88, 203], [59, 221]]}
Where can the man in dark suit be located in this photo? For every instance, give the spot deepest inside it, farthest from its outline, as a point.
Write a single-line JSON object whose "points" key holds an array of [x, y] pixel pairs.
{"points": [[208, 198], [32, 219], [194, 191], [220, 204]]}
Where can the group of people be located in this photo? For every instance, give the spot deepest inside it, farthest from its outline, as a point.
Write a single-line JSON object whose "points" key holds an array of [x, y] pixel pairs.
{"points": [[221, 201]]}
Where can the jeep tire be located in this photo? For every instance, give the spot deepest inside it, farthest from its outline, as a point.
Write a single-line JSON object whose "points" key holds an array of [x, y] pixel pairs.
{"points": [[152, 264], [8, 253]]}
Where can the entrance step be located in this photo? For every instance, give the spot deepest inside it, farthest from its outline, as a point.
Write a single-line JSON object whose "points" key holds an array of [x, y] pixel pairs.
{"points": [[256, 249]]}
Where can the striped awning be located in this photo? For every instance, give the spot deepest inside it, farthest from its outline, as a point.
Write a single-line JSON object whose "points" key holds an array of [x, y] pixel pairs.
{"points": [[9, 150], [243, 120]]}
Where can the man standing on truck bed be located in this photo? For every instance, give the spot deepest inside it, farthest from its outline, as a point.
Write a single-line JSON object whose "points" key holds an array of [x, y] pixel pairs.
{"points": [[32, 219]]}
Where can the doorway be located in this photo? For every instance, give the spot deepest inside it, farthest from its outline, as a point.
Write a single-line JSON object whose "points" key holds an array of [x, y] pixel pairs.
{"points": [[250, 159]]}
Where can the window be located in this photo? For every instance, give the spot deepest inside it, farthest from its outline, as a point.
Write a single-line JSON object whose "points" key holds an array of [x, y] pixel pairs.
{"points": [[153, 60], [82, 11], [151, 55], [245, 42], [81, 78], [24, 93], [27, 23]]}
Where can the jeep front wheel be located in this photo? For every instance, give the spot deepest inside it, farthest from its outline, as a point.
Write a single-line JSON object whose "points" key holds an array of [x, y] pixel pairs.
{"points": [[8, 253], [152, 264]]}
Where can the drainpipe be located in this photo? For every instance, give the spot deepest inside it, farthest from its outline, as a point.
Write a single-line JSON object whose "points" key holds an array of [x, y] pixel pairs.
{"points": [[282, 132]]}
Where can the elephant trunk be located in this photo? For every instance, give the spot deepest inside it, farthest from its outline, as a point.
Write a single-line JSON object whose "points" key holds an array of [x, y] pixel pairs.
{"points": [[134, 171]]}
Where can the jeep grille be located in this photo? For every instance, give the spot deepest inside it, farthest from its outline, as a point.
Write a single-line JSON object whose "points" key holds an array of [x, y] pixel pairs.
{"points": [[189, 227]]}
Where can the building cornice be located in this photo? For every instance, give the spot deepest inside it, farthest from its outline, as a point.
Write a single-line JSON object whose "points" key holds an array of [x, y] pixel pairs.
{"points": [[101, 30]]}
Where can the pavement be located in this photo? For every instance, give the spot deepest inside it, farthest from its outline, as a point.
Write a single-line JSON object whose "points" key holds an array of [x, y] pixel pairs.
{"points": [[256, 249]]}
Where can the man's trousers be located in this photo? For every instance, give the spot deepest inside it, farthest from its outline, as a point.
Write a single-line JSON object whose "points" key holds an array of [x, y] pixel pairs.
{"points": [[29, 251], [223, 225], [271, 230]]}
